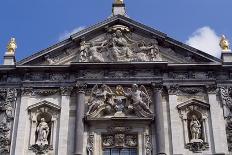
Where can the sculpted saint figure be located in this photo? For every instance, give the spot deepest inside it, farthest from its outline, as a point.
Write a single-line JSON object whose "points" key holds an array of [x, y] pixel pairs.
{"points": [[195, 127], [100, 97], [42, 132], [121, 51], [139, 97]]}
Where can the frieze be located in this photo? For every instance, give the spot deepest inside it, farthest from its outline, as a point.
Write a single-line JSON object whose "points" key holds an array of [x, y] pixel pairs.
{"points": [[39, 92]]}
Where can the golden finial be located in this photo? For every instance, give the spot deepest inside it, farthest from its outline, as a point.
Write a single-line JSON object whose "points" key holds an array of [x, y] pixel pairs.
{"points": [[119, 2], [11, 47], [224, 43]]}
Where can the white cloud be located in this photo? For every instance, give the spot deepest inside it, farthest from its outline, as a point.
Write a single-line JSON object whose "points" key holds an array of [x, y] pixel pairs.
{"points": [[206, 40], [67, 34]]}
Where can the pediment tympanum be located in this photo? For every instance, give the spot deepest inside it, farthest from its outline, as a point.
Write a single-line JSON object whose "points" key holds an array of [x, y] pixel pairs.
{"points": [[118, 40]]}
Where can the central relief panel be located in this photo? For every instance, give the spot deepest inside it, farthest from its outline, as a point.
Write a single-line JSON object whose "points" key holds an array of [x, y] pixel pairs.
{"points": [[119, 102], [119, 119]]}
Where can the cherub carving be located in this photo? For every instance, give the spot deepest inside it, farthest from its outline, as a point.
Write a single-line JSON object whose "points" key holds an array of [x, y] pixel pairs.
{"points": [[100, 97], [139, 100]]}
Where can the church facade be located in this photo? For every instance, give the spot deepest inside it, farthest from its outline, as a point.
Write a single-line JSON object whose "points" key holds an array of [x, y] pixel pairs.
{"points": [[116, 88]]}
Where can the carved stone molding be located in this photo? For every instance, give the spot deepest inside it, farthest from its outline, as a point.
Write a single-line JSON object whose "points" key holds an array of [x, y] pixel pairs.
{"points": [[27, 92], [197, 147], [190, 90], [90, 144], [148, 144], [41, 149], [7, 105], [119, 140], [66, 91]]}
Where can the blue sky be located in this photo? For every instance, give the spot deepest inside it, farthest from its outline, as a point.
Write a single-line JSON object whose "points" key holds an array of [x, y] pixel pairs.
{"points": [[37, 25]]}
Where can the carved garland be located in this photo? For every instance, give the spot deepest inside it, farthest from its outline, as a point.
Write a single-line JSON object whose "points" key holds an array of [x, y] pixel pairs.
{"points": [[226, 96], [7, 102]]}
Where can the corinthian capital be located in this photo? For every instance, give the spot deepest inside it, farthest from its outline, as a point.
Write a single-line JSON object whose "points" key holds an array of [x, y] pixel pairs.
{"points": [[66, 91], [173, 89], [211, 89], [157, 86], [81, 86]]}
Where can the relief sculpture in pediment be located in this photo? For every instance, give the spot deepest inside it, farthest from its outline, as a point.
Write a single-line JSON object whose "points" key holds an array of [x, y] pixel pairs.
{"points": [[117, 46]]}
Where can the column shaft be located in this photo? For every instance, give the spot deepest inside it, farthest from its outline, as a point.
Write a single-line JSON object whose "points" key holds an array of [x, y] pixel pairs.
{"points": [[159, 121], [79, 125]]}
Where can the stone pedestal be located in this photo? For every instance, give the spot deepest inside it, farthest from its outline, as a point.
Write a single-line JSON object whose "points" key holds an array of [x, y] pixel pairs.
{"points": [[79, 125], [119, 9], [9, 59], [159, 119], [226, 56]]}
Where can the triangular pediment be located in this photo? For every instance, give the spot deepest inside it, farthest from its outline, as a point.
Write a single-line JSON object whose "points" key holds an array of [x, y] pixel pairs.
{"points": [[119, 39]]}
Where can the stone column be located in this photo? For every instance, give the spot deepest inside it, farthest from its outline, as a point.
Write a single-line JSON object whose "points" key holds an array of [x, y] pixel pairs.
{"points": [[79, 124], [159, 119], [218, 122], [64, 120]]}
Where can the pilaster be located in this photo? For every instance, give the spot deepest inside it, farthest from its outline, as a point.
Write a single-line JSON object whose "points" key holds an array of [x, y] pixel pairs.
{"points": [[22, 122], [64, 120], [218, 129], [175, 121]]}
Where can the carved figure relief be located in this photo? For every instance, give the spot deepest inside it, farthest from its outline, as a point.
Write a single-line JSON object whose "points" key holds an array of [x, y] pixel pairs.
{"points": [[118, 46], [104, 102]]}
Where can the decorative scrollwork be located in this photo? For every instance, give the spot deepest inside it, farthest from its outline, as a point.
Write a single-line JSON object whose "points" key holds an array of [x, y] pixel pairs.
{"points": [[7, 102]]}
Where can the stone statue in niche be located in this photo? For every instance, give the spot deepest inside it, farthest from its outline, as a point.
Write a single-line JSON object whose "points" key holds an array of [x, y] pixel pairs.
{"points": [[118, 45], [100, 99], [195, 129], [42, 133], [104, 102]]}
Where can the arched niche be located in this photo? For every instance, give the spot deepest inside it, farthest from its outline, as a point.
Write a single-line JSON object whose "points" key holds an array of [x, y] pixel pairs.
{"points": [[43, 113], [194, 115]]}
